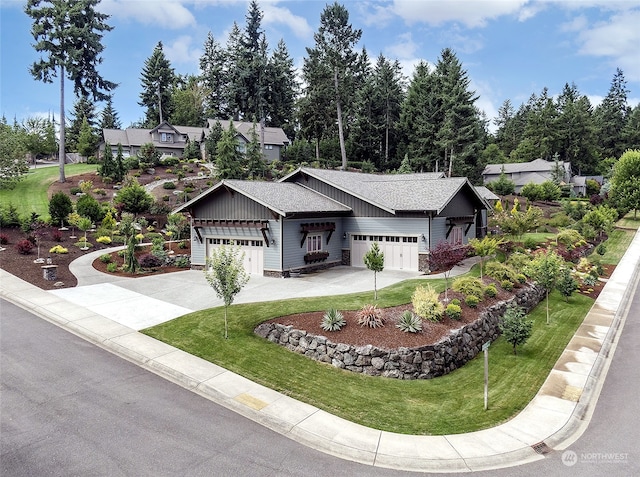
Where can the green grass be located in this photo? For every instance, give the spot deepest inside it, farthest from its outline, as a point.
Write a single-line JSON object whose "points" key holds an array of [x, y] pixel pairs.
{"points": [[449, 404], [617, 244], [631, 221], [30, 194]]}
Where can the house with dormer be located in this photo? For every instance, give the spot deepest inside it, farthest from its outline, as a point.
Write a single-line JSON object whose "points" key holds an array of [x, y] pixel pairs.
{"points": [[318, 218]]}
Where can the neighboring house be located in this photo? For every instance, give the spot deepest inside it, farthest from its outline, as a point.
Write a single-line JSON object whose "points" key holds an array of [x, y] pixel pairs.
{"points": [[169, 140], [491, 199], [580, 183], [274, 140], [315, 218], [522, 173]]}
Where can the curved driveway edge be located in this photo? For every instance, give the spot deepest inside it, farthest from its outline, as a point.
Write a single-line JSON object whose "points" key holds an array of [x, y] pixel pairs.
{"points": [[554, 419]]}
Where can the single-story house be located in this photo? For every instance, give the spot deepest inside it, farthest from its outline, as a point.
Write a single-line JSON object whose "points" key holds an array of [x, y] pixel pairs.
{"points": [[274, 140], [579, 183], [317, 218], [169, 140], [522, 173]]}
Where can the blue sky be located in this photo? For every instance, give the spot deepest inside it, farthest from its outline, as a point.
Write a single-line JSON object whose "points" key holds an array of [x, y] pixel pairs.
{"points": [[510, 48]]}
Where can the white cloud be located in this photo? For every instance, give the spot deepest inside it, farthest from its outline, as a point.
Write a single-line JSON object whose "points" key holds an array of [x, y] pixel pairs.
{"points": [[403, 48], [578, 24], [274, 15], [486, 101], [161, 13], [180, 51], [374, 15], [617, 39], [472, 13]]}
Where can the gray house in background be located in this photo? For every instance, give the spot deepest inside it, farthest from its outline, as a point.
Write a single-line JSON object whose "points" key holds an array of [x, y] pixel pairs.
{"points": [[169, 140], [274, 140], [522, 173], [316, 218]]}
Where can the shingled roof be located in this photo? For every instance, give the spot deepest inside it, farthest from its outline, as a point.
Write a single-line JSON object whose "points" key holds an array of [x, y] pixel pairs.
{"points": [[284, 198], [275, 136], [397, 192]]}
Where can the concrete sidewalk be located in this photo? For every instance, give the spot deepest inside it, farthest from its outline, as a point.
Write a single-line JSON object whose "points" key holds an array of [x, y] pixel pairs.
{"points": [[554, 419]]}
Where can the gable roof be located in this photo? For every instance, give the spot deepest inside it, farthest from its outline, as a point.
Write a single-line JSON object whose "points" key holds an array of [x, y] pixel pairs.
{"points": [[394, 193], [140, 136], [284, 198], [537, 165], [486, 194], [275, 136]]}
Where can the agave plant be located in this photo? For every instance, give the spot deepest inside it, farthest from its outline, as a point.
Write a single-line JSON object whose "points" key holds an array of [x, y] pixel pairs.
{"points": [[371, 316], [409, 322], [332, 320]]}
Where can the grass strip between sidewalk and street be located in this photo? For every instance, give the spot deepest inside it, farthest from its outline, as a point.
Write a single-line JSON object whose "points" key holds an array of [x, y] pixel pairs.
{"points": [[31, 193], [446, 405]]}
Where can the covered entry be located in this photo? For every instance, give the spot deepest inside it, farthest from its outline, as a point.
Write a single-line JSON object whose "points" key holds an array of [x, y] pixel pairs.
{"points": [[253, 252], [400, 252]]}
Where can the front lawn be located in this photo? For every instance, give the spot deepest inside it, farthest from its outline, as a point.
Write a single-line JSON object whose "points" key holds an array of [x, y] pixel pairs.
{"points": [[446, 405], [31, 193]]}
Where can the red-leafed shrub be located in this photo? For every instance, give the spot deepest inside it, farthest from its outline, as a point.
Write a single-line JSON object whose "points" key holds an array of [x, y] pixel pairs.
{"points": [[4, 239], [56, 235], [24, 247], [149, 261]]}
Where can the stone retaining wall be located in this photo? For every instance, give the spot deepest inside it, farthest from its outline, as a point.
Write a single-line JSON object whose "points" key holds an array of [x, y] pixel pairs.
{"points": [[424, 362]]}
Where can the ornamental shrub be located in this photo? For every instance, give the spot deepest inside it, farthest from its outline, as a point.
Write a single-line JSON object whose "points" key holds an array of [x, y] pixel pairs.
{"points": [[60, 207], [104, 240], [409, 322], [168, 185], [182, 262], [530, 243], [522, 278], [56, 236], [500, 271], [490, 291], [569, 237], [105, 258], [112, 267], [58, 249], [426, 303], [4, 239], [454, 311], [24, 247], [472, 301], [468, 286], [149, 260], [456, 301], [507, 285], [371, 316], [332, 320]]}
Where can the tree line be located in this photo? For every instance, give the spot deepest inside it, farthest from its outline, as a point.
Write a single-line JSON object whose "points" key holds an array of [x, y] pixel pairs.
{"points": [[346, 109]]}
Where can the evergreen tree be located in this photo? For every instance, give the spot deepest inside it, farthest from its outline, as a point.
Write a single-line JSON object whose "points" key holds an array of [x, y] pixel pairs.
{"points": [[188, 102], [576, 131], [69, 36], [229, 159], [611, 117], [334, 48], [83, 108], [108, 166], [256, 165], [234, 80], [12, 155], [109, 117], [87, 141], [282, 88], [211, 142], [213, 76], [120, 170], [506, 136], [158, 80], [252, 65], [541, 128], [631, 131]]}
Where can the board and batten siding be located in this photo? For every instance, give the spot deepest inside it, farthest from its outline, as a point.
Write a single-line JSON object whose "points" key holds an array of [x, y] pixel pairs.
{"points": [[293, 254], [223, 205], [360, 207], [409, 227]]}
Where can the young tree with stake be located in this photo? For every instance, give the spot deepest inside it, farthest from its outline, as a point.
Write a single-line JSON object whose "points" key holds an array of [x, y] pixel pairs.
{"points": [[374, 261]]}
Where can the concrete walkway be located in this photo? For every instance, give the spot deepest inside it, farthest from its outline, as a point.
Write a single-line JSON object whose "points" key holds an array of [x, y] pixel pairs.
{"points": [[554, 419]]}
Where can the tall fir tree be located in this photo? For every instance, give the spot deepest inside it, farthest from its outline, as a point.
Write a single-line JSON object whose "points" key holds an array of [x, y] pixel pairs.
{"points": [[158, 81], [83, 108], [228, 158], [282, 89], [334, 49], [611, 117], [213, 74], [109, 117], [69, 36]]}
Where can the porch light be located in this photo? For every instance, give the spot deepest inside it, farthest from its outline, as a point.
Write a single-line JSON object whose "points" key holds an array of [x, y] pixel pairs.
{"points": [[422, 237], [344, 236]]}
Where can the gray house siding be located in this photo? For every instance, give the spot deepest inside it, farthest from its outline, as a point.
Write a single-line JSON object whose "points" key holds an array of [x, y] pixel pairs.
{"points": [[360, 207], [459, 205], [293, 254], [231, 206], [390, 226]]}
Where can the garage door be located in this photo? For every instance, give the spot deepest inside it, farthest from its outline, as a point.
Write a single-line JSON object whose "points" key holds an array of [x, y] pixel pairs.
{"points": [[253, 252], [400, 252]]}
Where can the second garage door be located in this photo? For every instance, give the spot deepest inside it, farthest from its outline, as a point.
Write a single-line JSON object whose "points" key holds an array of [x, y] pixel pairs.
{"points": [[400, 252]]}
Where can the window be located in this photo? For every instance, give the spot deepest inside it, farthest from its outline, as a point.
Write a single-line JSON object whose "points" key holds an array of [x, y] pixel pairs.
{"points": [[268, 147], [166, 137], [314, 243]]}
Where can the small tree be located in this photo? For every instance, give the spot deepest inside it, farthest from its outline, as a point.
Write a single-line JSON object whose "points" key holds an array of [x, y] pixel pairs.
{"points": [[503, 186], [545, 271], [134, 198], [130, 260], [84, 224], [444, 256], [60, 206], [485, 248], [374, 261], [514, 327], [566, 283], [226, 275]]}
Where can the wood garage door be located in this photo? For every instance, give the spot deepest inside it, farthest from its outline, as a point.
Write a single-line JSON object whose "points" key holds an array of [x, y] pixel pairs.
{"points": [[253, 252], [400, 252]]}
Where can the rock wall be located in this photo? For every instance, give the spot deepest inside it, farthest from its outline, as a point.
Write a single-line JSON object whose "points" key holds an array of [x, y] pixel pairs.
{"points": [[424, 362]]}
